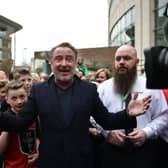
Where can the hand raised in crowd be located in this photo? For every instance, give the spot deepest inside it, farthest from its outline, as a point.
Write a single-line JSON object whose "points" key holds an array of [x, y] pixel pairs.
{"points": [[138, 107]]}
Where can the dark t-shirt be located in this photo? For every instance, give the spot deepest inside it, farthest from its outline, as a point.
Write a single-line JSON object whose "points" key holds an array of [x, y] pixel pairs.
{"points": [[65, 97]]}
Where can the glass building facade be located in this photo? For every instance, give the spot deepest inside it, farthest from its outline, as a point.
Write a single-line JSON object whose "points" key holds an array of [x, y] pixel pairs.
{"points": [[123, 30], [159, 22], [5, 45], [7, 28]]}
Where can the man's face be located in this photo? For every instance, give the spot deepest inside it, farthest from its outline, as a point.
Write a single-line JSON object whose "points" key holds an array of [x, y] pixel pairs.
{"points": [[125, 69], [125, 60], [63, 63]]}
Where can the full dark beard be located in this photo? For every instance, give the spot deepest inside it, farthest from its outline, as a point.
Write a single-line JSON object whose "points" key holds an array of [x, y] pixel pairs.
{"points": [[124, 82]]}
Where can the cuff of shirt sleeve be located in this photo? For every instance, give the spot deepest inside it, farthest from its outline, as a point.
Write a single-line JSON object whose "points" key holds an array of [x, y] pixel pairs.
{"points": [[149, 132]]}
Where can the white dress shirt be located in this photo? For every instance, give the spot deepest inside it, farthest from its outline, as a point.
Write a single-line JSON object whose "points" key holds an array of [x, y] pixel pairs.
{"points": [[154, 122]]}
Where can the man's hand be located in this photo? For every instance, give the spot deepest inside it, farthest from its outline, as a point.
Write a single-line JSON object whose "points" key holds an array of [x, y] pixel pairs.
{"points": [[138, 107], [116, 137], [137, 137], [94, 131]]}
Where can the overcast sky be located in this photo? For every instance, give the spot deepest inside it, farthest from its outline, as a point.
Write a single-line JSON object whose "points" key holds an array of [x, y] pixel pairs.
{"points": [[49, 22]]}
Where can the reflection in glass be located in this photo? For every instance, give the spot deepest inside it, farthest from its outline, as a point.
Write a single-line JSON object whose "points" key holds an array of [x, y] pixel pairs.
{"points": [[123, 30], [159, 22]]}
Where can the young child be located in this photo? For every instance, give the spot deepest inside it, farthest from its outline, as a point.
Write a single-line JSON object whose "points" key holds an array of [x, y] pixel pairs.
{"points": [[19, 149], [3, 105], [24, 75]]}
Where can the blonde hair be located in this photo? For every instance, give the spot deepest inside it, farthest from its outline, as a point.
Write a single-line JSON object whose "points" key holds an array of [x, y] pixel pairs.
{"points": [[3, 83], [105, 70], [35, 77]]}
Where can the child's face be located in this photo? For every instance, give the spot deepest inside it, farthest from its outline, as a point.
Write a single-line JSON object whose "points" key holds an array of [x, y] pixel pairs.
{"points": [[16, 99], [2, 94], [27, 79]]}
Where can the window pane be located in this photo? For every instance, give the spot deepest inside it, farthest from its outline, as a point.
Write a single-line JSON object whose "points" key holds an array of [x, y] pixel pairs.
{"points": [[159, 22], [123, 31], [159, 38], [1, 53], [0, 42], [160, 19], [160, 3]]}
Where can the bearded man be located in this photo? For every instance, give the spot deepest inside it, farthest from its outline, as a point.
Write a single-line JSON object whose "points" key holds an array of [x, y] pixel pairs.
{"points": [[134, 148]]}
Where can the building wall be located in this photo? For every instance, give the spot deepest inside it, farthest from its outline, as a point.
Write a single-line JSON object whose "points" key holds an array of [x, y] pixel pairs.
{"points": [[144, 22], [5, 46], [144, 26], [94, 58], [117, 9], [7, 27]]}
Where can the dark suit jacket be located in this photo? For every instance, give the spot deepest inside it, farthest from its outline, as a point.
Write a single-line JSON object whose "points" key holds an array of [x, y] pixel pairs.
{"points": [[65, 145]]}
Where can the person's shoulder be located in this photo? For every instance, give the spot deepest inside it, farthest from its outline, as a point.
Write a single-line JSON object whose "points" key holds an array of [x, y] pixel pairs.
{"points": [[106, 82], [142, 86], [87, 83], [43, 83], [105, 86], [39, 85], [9, 112], [141, 78], [140, 83], [4, 106]]}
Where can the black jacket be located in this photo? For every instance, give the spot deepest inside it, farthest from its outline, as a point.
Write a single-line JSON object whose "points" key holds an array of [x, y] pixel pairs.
{"points": [[65, 145]]}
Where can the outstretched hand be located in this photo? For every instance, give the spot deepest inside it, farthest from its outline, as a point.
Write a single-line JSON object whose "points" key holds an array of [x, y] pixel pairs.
{"points": [[138, 107]]}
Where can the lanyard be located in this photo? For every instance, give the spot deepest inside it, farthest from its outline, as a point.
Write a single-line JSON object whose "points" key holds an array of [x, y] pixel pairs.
{"points": [[124, 98]]}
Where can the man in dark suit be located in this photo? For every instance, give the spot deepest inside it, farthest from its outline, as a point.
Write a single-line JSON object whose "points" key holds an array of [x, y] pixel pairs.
{"points": [[64, 104]]}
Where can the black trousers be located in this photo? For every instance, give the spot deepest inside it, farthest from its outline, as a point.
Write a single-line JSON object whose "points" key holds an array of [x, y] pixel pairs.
{"points": [[162, 154], [96, 145], [145, 156], [1, 161]]}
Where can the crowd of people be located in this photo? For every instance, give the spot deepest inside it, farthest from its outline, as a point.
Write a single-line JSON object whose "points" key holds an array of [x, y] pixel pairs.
{"points": [[45, 120]]}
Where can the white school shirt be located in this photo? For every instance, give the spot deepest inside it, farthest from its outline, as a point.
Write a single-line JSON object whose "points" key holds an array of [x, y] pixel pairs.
{"points": [[154, 122]]}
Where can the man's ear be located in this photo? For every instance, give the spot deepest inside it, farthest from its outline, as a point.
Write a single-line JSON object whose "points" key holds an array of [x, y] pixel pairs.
{"points": [[137, 60]]}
